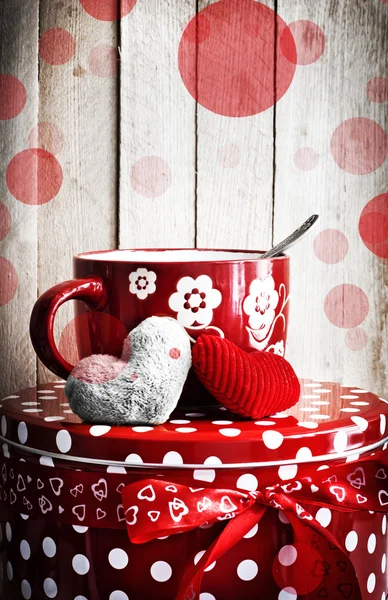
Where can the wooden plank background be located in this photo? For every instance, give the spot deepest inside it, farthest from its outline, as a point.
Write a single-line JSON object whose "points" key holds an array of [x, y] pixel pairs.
{"points": [[145, 165]]}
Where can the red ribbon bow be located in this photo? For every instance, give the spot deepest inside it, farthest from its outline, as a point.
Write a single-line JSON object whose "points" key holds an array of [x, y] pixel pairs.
{"points": [[155, 508]]}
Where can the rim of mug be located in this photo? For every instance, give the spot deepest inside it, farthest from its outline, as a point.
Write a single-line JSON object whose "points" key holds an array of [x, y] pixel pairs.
{"points": [[90, 254]]}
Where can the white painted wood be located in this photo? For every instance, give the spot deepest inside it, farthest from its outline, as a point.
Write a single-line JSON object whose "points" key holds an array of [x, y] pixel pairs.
{"points": [[18, 57], [157, 119], [234, 203], [323, 95], [83, 215]]}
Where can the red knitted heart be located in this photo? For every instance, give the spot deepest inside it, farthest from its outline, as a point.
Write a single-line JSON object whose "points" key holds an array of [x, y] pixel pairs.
{"points": [[255, 384]]}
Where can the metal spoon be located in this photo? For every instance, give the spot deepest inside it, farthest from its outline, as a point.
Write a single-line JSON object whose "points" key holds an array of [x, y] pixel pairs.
{"points": [[292, 239]]}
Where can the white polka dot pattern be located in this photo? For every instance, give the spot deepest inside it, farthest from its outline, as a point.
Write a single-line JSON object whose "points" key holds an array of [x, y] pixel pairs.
{"points": [[323, 516], [247, 570], [50, 587], [9, 571], [25, 549], [351, 541], [22, 432], [8, 532], [63, 441], [26, 589], [198, 557], [118, 558], [80, 528], [287, 555], [172, 458], [371, 583], [252, 532], [272, 439], [247, 482], [98, 430], [362, 422], [287, 593], [371, 545], [287, 472], [161, 571], [49, 547], [118, 595], [80, 564]]}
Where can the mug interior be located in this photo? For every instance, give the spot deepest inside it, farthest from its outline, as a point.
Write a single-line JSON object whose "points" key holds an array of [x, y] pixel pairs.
{"points": [[174, 255]]}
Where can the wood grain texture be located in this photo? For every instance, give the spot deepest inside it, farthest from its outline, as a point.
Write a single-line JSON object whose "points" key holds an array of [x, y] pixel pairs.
{"points": [[18, 57], [322, 96], [157, 120], [83, 216], [235, 177]]}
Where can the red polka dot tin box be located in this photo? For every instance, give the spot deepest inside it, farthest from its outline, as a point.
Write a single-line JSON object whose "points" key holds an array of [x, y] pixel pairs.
{"points": [[208, 506]]}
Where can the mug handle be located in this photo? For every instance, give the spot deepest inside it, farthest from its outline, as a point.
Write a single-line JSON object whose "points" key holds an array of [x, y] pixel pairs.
{"points": [[90, 290]]}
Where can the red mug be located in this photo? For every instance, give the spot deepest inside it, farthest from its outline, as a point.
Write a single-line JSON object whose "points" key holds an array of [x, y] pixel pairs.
{"points": [[231, 293]]}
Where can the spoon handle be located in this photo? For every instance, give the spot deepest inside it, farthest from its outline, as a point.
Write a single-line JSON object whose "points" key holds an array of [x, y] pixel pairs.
{"points": [[294, 237]]}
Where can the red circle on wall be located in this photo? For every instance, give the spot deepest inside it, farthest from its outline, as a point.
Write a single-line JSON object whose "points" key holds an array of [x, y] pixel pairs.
{"points": [[373, 226], [359, 146], [108, 10], [34, 176], [108, 332], [227, 56], [8, 281], [13, 96], [56, 46], [5, 220], [346, 306]]}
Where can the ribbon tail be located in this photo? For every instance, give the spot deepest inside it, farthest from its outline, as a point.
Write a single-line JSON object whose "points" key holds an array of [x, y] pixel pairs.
{"points": [[298, 524], [234, 531]]}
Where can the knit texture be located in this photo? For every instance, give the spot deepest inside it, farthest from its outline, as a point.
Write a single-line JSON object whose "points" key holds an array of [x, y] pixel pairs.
{"points": [[255, 384]]}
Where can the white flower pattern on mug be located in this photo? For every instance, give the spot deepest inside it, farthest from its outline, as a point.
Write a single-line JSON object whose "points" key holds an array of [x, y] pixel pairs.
{"points": [[277, 348], [260, 305], [142, 283], [195, 300]]}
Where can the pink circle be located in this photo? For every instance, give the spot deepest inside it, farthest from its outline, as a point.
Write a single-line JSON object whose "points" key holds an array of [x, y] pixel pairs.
{"points": [[346, 306], [356, 339], [56, 46], [110, 332], [99, 368], [47, 136], [359, 146], [309, 41], [34, 176], [108, 10], [226, 58], [331, 246], [13, 96], [5, 221], [306, 159], [103, 60], [8, 281], [373, 225], [377, 89], [174, 353], [299, 568], [150, 176], [229, 156]]}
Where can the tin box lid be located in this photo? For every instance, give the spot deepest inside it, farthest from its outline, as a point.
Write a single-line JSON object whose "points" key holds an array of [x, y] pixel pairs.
{"points": [[329, 421]]}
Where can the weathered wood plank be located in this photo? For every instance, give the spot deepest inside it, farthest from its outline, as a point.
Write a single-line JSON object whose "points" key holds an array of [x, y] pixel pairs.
{"points": [[157, 156], [18, 58], [80, 97], [235, 154], [324, 95]]}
